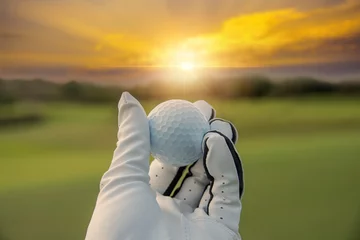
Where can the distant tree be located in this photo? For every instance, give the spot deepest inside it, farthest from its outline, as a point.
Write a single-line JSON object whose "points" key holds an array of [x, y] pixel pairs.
{"points": [[36, 89], [71, 91], [6, 96], [89, 93], [349, 87], [98, 94], [141, 92], [253, 87], [302, 86]]}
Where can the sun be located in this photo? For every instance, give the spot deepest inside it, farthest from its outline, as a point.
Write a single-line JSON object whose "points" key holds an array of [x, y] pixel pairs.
{"points": [[187, 66], [181, 60]]}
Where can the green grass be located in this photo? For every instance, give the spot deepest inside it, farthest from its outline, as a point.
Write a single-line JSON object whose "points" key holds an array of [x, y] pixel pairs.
{"points": [[300, 156]]}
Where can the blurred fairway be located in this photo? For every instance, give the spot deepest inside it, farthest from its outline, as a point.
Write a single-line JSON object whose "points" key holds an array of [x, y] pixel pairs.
{"points": [[301, 160]]}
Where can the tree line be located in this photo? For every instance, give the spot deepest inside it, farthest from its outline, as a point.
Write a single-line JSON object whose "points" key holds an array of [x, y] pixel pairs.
{"points": [[243, 87]]}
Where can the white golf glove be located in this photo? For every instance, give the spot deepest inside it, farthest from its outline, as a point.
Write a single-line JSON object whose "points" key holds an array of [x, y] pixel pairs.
{"points": [[136, 201]]}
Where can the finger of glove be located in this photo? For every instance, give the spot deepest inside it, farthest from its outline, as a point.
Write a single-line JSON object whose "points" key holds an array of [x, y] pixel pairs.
{"points": [[206, 109], [131, 156], [125, 186], [225, 127], [224, 169], [163, 177], [205, 197], [196, 180], [193, 185]]}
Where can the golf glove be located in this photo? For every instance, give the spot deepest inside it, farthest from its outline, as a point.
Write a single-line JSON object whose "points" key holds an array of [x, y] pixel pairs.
{"points": [[138, 201]]}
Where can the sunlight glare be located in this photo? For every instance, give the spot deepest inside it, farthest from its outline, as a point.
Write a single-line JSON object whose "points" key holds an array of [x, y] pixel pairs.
{"points": [[187, 66]]}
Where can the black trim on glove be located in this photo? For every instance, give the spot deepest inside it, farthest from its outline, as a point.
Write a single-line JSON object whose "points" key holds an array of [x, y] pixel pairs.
{"points": [[237, 162], [175, 181]]}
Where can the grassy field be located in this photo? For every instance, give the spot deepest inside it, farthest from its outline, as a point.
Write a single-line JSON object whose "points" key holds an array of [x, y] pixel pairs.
{"points": [[301, 160]]}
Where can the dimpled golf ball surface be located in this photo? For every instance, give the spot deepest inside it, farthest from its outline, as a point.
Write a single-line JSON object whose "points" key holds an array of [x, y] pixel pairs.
{"points": [[177, 129]]}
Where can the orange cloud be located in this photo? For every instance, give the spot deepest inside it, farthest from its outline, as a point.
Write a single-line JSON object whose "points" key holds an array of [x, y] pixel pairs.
{"points": [[114, 34], [255, 39]]}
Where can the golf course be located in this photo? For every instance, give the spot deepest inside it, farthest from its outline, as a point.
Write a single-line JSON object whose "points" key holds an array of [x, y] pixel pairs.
{"points": [[301, 159]]}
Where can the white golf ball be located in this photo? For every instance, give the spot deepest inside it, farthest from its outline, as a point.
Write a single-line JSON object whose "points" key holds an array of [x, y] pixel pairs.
{"points": [[177, 129]]}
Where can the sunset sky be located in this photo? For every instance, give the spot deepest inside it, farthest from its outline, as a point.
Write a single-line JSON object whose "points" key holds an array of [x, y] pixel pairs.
{"points": [[163, 33]]}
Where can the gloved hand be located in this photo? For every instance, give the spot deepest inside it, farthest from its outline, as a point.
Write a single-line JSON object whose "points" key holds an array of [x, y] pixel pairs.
{"points": [[136, 201]]}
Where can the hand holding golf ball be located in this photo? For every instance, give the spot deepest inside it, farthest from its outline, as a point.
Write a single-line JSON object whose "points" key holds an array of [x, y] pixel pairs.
{"points": [[177, 129], [141, 201]]}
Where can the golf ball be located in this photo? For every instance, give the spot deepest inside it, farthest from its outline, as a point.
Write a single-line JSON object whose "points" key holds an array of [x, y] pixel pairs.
{"points": [[177, 129]]}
